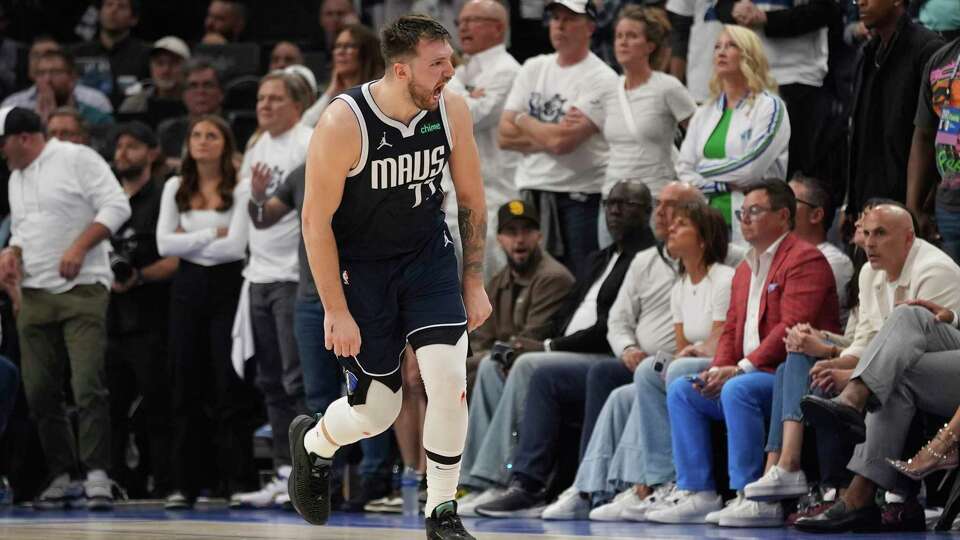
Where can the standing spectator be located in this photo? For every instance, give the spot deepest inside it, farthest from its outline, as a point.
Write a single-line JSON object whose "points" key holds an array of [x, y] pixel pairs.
{"points": [[202, 221], [941, 16], [484, 81], [136, 362], [285, 53], [741, 134], [356, 60], [225, 21], [114, 60], [642, 116], [66, 124], [56, 86], [64, 202], [888, 70], [267, 304], [794, 36], [202, 96], [936, 147], [782, 282], [164, 99], [552, 116], [695, 32]]}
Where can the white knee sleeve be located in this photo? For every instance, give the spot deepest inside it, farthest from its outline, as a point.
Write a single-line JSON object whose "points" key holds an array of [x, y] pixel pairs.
{"points": [[348, 424]]}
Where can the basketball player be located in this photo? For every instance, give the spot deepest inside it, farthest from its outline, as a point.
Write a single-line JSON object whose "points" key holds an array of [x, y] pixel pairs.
{"points": [[385, 267]]}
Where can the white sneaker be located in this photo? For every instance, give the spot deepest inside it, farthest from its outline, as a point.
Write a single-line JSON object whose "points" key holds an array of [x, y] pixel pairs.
{"points": [[777, 484], [266, 497], [664, 494], [689, 507], [489, 495], [753, 514], [98, 489], [385, 505], [613, 510], [715, 517], [569, 505]]}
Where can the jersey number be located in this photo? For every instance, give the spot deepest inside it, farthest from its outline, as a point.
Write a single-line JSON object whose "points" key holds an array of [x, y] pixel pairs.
{"points": [[418, 191]]}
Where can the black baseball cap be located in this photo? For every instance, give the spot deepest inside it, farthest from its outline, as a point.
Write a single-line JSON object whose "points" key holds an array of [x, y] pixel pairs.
{"points": [[139, 131], [516, 209], [14, 120]]}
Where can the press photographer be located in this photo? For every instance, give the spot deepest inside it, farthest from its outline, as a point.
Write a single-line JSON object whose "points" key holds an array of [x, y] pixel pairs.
{"points": [[137, 320]]}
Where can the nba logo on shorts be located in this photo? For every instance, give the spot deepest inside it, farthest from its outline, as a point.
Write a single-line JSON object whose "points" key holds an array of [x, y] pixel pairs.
{"points": [[351, 382]]}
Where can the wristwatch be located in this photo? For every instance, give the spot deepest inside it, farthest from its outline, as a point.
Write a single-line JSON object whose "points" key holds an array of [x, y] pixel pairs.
{"points": [[546, 345]]}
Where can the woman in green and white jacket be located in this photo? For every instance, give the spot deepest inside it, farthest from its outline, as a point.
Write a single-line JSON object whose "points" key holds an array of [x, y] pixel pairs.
{"points": [[741, 134]]}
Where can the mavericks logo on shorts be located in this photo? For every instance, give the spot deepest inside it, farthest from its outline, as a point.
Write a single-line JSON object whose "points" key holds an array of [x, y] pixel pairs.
{"points": [[429, 128], [352, 382]]}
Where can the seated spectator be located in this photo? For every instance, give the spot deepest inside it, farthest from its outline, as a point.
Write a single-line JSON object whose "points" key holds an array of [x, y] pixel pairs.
{"points": [[285, 53], [59, 260], [782, 282], [552, 116], [631, 445], [334, 16], [225, 21], [885, 371], [579, 337], [742, 132], [56, 86], [202, 96], [164, 99], [66, 124], [137, 333], [41, 45], [642, 116], [114, 60], [203, 222], [815, 214], [356, 60]]}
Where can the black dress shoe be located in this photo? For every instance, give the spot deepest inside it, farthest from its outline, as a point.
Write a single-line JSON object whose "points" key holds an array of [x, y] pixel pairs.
{"points": [[838, 519], [830, 414]]}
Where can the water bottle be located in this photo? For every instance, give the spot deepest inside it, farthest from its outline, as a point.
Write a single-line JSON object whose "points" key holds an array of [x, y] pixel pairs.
{"points": [[6, 492], [409, 488]]}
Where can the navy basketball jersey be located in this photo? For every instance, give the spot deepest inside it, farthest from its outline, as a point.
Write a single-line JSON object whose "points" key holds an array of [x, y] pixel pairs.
{"points": [[392, 201]]}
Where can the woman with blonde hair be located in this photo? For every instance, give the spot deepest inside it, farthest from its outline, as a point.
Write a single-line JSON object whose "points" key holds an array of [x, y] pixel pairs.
{"points": [[739, 136]]}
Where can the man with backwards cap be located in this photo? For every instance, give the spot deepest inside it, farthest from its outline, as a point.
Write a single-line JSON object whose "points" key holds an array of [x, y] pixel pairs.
{"points": [[64, 202], [136, 327]]}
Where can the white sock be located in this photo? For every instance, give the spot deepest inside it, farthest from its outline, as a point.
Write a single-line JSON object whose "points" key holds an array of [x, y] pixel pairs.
{"points": [[444, 373], [317, 443]]}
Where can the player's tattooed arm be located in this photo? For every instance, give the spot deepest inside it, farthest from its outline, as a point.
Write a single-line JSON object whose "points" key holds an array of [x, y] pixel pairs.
{"points": [[473, 234]]}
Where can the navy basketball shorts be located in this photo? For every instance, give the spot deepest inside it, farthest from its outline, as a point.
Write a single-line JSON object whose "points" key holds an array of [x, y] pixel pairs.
{"points": [[414, 298]]}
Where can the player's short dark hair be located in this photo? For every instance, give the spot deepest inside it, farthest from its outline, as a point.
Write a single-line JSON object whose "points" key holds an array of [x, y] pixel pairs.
{"points": [[780, 194], [399, 40]]}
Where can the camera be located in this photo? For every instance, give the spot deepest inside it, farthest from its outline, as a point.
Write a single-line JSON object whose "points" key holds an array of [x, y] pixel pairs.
{"points": [[503, 354], [122, 267], [660, 363]]}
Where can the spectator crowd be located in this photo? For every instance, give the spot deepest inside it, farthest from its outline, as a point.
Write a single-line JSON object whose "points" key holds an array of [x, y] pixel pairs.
{"points": [[721, 254]]}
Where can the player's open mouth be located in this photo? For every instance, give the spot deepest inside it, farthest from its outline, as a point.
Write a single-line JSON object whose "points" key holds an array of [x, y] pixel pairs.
{"points": [[437, 90]]}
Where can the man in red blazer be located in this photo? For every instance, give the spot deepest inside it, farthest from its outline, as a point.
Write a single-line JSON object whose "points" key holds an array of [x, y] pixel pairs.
{"points": [[783, 281]]}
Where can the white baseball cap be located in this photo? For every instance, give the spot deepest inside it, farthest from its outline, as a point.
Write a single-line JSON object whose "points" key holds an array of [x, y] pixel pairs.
{"points": [[582, 7], [172, 44]]}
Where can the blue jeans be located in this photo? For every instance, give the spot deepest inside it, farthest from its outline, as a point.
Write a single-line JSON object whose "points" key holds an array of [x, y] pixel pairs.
{"points": [[744, 404], [948, 223], [323, 381], [791, 384], [9, 384], [578, 225]]}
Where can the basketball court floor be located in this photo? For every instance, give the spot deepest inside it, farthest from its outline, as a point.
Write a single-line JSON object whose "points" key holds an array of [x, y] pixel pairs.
{"points": [[216, 523]]}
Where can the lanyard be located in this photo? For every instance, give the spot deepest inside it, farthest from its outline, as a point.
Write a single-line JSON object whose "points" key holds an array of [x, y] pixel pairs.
{"points": [[956, 71]]}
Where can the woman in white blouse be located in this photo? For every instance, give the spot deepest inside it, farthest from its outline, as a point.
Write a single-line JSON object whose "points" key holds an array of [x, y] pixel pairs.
{"points": [[643, 114], [203, 221]]}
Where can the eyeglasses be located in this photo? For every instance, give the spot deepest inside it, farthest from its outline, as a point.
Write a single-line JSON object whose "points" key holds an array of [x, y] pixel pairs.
{"points": [[749, 214], [473, 20], [808, 203], [345, 47], [624, 204]]}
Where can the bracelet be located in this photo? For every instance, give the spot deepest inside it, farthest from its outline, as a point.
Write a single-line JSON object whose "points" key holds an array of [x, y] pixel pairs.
{"points": [[547, 345]]}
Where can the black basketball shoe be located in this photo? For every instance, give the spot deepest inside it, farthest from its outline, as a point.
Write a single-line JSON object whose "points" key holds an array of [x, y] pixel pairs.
{"points": [[309, 483], [445, 524]]}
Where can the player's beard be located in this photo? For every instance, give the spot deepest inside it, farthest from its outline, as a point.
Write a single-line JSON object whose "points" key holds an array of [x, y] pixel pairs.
{"points": [[422, 97]]}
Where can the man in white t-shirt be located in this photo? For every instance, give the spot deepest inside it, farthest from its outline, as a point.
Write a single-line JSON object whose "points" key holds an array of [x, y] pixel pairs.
{"points": [[815, 213], [695, 31], [272, 272], [551, 116], [484, 81]]}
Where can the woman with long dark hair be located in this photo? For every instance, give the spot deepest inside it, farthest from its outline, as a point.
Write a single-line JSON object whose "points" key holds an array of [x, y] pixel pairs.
{"points": [[203, 220]]}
